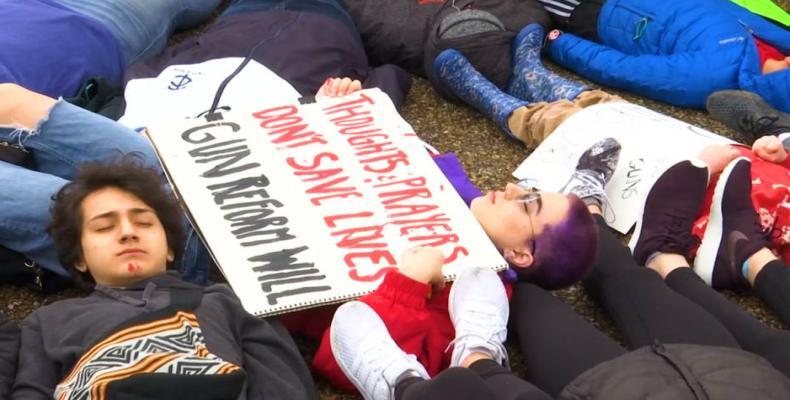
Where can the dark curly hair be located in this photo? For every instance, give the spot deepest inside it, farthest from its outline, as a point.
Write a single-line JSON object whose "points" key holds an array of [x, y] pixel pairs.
{"points": [[66, 219], [566, 251]]}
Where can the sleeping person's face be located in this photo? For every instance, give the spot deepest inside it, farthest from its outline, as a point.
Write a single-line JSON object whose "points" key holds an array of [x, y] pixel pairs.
{"points": [[122, 241], [514, 217]]}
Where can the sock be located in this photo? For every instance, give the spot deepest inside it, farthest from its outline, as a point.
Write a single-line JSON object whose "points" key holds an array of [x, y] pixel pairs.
{"points": [[456, 73], [531, 81]]}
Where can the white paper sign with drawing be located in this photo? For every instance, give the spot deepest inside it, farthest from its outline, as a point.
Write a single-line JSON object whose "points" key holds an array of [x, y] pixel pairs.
{"points": [[304, 205], [651, 143]]}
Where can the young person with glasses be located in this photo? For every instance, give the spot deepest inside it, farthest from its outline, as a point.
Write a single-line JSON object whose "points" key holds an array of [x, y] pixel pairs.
{"points": [[682, 340], [547, 238]]}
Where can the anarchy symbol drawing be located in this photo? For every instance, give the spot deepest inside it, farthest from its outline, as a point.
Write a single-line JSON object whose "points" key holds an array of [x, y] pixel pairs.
{"points": [[180, 82]]}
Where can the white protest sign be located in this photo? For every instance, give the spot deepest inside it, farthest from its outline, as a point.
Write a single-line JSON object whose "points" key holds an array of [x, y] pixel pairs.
{"points": [[304, 205], [651, 143]]}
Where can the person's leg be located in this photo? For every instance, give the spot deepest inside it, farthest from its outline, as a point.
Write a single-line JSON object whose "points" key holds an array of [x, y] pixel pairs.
{"points": [[541, 119], [455, 72], [772, 285], [642, 305], [751, 334], [24, 215], [557, 344], [485, 379], [639, 301], [65, 136], [452, 383], [144, 26], [530, 80]]}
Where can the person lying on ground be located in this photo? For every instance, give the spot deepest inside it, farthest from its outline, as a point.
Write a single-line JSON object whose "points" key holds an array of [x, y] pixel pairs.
{"points": [[547, 238], [534, 102], [410, 33], [59, 136], [142, 332], [682, 339], [674, 51], [675, 349]]}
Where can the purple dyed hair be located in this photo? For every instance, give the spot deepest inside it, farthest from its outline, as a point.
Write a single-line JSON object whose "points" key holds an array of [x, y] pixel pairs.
{"points": [[565, 252]]}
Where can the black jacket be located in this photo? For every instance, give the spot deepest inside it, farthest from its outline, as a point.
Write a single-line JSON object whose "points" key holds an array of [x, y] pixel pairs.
{"points": [[681, 371], [403, 32], [57, 336], [9, 348], [304, 48]]}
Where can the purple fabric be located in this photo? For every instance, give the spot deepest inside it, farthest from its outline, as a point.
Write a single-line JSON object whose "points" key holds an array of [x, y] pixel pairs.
{"points": [[451, 168], [454, 171], [52, 50]]}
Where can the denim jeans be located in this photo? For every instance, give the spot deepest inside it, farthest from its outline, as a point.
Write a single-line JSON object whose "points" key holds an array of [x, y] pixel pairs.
{"points": [[68, 137], [330, 8], [144, 26]]}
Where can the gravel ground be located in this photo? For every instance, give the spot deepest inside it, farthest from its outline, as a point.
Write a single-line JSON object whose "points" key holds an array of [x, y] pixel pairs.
{"points": [[489, 157]]}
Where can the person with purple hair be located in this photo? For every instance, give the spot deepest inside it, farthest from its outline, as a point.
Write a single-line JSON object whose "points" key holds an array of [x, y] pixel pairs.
{"points": [[547, 238], [675, 348], [681, 338]]}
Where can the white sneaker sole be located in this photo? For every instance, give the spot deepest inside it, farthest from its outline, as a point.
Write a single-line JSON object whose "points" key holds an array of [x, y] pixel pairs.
{"points": [[348, 375], [711, 238]]}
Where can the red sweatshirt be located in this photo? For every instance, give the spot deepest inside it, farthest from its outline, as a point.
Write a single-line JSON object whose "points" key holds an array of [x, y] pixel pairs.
{"points": [[419, 326], [771, 198]]}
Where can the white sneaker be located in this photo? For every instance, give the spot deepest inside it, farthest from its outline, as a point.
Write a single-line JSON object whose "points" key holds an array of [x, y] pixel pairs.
{"points": [[479, 310], [366, 353]]}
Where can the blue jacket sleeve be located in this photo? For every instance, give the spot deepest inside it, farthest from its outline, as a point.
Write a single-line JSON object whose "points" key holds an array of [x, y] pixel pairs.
{"points": [[683, 78]]}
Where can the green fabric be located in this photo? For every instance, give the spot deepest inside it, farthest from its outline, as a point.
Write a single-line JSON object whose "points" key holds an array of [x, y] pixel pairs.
{"points": [[767, 9]]}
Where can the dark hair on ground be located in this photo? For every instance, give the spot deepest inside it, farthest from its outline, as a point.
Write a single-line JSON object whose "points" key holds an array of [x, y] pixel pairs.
{"points": [[66, 219], [564, 252]]}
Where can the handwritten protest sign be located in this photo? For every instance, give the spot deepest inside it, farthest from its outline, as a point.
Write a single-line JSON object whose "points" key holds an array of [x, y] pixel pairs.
{"points": [[304, 205], [651, 143]]}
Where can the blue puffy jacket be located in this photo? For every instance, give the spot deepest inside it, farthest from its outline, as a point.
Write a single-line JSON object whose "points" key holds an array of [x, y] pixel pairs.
{"points": [[678, 51]]}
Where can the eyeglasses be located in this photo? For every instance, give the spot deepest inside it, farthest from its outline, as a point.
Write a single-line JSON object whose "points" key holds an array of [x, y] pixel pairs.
{"points": [[532, 195]]}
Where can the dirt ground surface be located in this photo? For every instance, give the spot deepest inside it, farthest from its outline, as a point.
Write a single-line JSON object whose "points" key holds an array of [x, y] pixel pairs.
{"points": [[489, 158]]}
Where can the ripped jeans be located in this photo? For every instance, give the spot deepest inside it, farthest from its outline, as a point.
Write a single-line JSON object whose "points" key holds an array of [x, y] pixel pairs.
{"points": [[68, 137]]}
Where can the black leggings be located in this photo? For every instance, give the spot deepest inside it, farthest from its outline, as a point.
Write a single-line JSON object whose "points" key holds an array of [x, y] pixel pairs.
{"points": [[772, 285], [483, 380], [558, 345], [752, 335]]}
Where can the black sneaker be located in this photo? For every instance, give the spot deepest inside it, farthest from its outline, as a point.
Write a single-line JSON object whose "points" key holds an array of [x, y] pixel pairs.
{"points": [[733, 233], [747, 113], [594, 169], [669, 211]]}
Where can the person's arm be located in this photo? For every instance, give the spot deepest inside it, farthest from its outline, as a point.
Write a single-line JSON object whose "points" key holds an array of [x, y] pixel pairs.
{"points": [[9, 349], [683, 79], [37, 375], [275, 369], [400, 302]]}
